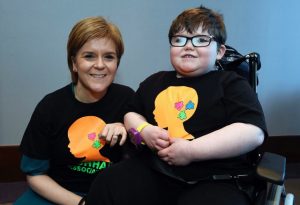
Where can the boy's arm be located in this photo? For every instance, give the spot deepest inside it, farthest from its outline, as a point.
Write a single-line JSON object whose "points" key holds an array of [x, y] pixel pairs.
{"points": [[233, 140], [230, 141], [154, 137], [133, 120]]}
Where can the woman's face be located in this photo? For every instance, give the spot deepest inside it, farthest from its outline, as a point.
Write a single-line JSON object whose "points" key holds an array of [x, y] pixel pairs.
{"points": [[96, 64], [191, 61]]}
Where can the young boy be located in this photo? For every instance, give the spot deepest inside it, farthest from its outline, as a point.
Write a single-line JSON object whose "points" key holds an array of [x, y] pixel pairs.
{"points": [[196, 126]]}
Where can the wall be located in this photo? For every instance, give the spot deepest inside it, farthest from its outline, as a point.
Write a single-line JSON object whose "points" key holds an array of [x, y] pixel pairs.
{"points": [[33, 50]]}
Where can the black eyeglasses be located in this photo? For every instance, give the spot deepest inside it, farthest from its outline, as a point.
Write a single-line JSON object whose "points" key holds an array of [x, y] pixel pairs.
{"points": [[197, 41]]}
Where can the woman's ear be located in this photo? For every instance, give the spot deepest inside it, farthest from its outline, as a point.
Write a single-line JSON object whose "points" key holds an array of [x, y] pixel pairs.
{"points": [[74, 64], [221, 52]]}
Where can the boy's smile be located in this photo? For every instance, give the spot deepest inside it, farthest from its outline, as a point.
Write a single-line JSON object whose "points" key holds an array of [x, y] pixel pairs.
{"points": [[188, 56]]}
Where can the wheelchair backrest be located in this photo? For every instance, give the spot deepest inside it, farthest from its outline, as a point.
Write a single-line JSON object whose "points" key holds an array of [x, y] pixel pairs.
{"points": [[245, 65]]}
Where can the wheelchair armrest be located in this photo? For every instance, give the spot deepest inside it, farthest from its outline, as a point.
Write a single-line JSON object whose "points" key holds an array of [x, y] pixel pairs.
{"points": [[272, 168]]}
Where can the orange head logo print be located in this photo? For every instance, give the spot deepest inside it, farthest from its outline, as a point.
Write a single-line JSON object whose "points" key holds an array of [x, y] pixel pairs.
{"points": [[173, 106], [84, 139]]}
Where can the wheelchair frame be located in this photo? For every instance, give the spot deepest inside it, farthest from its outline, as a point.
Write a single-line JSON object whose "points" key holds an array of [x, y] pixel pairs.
{"points": [[270, 167]]}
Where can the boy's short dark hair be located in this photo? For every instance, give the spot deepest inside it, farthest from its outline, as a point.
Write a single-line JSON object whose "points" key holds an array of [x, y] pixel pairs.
{"points": [[191, 19]]}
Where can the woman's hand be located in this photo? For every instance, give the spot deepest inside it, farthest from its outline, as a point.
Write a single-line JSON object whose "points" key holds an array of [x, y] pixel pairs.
{"points": [[178, 153], [114, 133]]}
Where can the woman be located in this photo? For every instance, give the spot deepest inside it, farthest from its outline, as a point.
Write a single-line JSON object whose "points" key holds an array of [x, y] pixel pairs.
{"points": [[77, 131]]}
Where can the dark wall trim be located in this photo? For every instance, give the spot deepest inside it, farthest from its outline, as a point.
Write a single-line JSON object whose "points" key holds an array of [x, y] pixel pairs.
{"points": [[10, 164], [288, 146]]}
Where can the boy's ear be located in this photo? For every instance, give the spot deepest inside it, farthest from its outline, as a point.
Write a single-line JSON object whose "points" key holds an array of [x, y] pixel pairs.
{"points": [[221, 52]]}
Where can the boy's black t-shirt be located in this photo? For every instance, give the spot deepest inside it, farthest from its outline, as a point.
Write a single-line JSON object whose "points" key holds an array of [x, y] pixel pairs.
{"points": [[195, 106], [66, 132]]}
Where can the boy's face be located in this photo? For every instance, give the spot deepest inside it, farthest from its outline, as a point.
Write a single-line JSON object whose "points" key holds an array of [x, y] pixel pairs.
{"points": [[191, 61]]}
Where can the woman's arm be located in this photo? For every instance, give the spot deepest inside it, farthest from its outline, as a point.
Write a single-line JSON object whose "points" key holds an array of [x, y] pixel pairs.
{"points": [[233, 140], [49, 189]]}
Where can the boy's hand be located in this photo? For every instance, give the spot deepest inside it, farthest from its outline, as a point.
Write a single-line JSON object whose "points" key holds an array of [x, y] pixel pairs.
{"points": [[114, 133], [155, 137], [178, 153]]}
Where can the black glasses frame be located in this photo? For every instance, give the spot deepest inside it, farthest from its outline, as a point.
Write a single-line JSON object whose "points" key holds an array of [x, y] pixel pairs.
{"points": [[191, 39]]}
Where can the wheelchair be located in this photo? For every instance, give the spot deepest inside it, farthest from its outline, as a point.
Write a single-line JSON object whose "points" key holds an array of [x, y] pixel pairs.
{"points": [[269, 167]]}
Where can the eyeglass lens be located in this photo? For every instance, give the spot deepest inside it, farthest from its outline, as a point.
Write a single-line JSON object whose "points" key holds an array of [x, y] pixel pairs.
{"points": [[197, 41]]}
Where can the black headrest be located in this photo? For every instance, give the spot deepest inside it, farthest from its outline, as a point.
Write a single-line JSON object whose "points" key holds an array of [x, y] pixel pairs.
{"points": [[233, 60]]}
